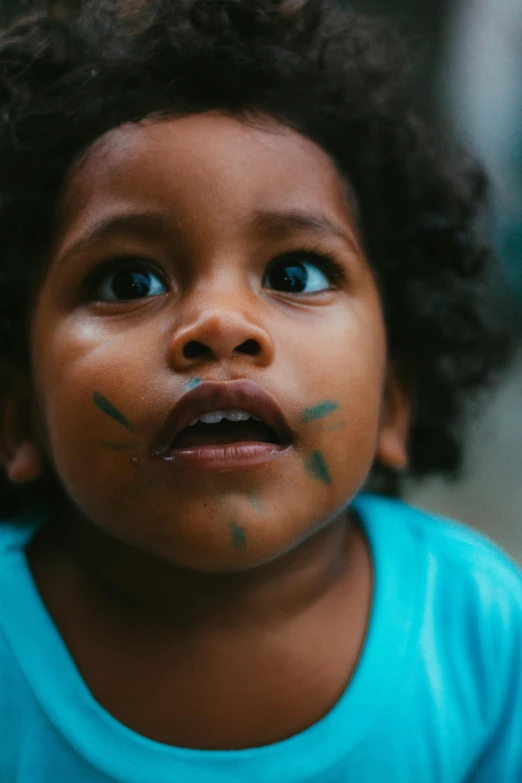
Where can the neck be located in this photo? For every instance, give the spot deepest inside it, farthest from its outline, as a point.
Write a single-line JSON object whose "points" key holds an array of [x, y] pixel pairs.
{"points": [[157, 592], [281, 641]]}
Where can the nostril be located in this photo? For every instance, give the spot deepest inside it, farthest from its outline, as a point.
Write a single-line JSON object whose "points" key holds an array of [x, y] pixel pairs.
{"points": [[193, 350], [250, 347]]}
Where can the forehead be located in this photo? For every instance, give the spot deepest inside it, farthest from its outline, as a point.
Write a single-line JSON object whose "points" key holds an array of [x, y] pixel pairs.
{"points": [[210, 162]]}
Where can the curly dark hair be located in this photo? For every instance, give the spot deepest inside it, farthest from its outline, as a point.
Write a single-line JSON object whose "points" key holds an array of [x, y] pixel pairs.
{"points": [[70, 71]]}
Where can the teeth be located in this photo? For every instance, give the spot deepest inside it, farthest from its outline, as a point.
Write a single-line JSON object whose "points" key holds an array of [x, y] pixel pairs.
{"points": [[238, 415], [212, 418], [216, 416]]}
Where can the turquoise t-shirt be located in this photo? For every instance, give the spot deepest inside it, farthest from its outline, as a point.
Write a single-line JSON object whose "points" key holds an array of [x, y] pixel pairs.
{"points": [[436, 696]]}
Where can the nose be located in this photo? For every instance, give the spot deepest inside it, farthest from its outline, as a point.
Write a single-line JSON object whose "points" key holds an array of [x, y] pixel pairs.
{"points": [[220, 332]]}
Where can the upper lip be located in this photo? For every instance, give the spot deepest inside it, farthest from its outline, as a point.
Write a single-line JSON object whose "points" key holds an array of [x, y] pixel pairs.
{"points": [[222, 396]]}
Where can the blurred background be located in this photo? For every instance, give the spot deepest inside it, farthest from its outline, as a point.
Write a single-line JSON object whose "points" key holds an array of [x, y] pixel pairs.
{"points": [[468, 71], [468, 74]]}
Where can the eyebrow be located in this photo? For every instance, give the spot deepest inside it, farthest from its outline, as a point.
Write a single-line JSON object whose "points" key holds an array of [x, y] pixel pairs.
{"points": [[299, 220], [143, 224], [150, 224]]}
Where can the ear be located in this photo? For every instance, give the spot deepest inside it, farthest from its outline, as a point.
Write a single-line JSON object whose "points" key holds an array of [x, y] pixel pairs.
{"points": [[20, 452], [392, 445]]}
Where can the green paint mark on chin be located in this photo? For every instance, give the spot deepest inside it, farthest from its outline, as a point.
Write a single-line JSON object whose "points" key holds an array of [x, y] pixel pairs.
{"points": [[107, 407], [192, 384], [238, 537], [317, 467], [320, 411], [255, 502]]}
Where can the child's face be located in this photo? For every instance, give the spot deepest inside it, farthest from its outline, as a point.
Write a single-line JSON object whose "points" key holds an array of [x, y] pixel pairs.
{"points": [[202, 207]]}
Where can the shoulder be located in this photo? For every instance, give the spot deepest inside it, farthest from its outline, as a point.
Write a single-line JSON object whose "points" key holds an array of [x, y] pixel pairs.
{"points": [[15, 576], [470, 585], [469, 593], [475, 575], [15, 534], [461, 549]]}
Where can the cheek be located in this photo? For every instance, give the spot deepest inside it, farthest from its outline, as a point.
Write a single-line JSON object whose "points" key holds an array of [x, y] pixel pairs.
{"points": [[343, 360], [341, 372], [88, 390]]}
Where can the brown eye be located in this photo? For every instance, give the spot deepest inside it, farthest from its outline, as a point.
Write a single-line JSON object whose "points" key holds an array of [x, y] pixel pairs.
{"points": [[297, 275], [127, 284]]}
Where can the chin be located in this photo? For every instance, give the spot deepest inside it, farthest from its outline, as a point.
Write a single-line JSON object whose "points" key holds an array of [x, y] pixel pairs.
{"points": [[236, 550]]}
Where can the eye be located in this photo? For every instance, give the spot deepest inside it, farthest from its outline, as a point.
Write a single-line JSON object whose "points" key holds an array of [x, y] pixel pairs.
{"points": [[300, 273], [127, 283]]}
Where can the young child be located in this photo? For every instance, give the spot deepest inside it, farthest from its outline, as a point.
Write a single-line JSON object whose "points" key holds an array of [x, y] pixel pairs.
{"points": [[240, 282]]}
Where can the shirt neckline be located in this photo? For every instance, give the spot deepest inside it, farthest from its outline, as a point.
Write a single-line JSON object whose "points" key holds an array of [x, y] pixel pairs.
{"points": [[127, 756]]}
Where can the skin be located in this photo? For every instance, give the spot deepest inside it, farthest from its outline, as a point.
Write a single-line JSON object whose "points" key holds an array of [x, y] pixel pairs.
{"points": [[201, 583]]}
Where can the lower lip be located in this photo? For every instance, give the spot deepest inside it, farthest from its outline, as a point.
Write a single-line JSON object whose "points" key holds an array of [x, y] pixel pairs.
{"points": [[225, 458]]}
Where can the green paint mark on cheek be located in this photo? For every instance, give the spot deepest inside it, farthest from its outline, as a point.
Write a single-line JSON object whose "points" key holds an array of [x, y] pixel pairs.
{"points": [[320, 411], [238, 537], [317, 467], [107, 407], [192, 384], [255, 502]]}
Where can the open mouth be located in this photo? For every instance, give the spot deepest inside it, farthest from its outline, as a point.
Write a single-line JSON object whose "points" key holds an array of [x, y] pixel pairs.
{"points": [[224, 432], [224, 427]]}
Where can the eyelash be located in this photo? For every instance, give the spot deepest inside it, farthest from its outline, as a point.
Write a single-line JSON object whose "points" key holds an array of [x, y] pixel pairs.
{"points": [[331, 268]]}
